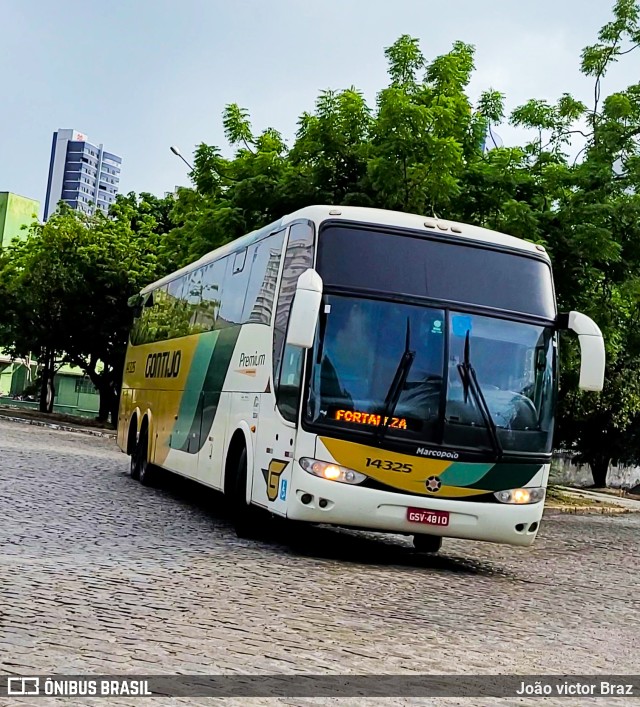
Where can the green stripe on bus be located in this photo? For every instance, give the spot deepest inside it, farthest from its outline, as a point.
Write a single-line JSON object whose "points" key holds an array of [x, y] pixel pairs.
{"points": [[461, 474], [189, 412], [209, 393], [507, 476]]}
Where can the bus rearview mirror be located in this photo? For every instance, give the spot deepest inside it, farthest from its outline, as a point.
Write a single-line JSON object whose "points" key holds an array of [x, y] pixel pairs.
{"points": [[592, 354], [303, 318]]}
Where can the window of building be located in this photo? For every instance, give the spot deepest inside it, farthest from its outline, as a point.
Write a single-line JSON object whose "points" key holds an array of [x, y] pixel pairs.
{"points": [[85, 386]]}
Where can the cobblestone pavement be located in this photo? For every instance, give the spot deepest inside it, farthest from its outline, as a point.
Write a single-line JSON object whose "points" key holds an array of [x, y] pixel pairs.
{"points": [[101, 575]]}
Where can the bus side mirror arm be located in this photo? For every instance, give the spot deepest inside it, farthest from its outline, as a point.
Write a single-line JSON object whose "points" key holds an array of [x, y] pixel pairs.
{"points": [[303, 318], [592, 354]]}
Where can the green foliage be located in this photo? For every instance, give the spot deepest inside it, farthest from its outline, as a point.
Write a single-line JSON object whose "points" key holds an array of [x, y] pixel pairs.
{"points": [[573, 186], [68, 284], [570, 187]]}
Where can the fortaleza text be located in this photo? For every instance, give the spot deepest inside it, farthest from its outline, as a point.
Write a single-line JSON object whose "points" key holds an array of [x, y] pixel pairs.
{"points": [[369, 418], [601, 687]]}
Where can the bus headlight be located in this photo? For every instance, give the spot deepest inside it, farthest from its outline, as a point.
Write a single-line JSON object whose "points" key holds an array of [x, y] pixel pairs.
{"points": [[520, 496], [332, 472]]}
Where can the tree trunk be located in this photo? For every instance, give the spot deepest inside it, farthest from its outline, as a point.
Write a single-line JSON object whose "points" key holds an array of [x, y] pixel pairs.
{"points": [[44, 387], [599, 469], [107, 383], [51, 393], [115, 406], [47, 389], [108, 408]]}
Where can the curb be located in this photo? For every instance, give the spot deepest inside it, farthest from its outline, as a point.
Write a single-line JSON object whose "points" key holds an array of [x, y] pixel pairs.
{"points": [[64, 428], [591, 510]]}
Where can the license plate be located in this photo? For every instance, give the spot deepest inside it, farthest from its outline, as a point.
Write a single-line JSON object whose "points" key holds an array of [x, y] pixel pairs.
{"points": [[420, 515]]}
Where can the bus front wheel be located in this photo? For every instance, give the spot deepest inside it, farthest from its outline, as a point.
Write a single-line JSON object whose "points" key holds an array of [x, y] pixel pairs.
{"points": [[427, 543], [245, 518]]}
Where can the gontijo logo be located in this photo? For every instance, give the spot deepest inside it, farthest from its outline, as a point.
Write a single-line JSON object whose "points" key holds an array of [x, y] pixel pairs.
{"points": [[165, 364]]}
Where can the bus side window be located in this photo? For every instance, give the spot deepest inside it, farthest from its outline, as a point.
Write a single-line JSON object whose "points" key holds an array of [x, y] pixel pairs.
{"points": [[213, 279], [235, 284], [178, 322], [265, 267], [289, 383], [192, 293], [156, 317], [298, 258], [140, 330], [239, 261]]}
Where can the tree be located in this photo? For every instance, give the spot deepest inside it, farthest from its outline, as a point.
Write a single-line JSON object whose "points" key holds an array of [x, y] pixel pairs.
{"points": [[590, 216], [572, 187], [67, 287], [33, 320]]}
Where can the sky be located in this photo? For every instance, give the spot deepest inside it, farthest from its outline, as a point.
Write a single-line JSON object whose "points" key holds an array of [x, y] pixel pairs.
{"points": [[142, 75]]}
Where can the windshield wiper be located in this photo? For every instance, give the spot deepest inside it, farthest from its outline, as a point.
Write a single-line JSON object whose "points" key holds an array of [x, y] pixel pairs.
{"points": [[397, 385], [470, 382]]}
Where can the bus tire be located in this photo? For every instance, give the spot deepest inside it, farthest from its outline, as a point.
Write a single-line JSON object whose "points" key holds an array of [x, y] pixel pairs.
{"points": [[146, 472], [132, 449], [134, 464], [245, 518], [427, 543]]}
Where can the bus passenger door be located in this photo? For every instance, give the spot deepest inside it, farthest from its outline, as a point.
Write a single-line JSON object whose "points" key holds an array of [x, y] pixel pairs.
{"points": [[279, 404], [273, 458], [277, 436], [213, 435]]}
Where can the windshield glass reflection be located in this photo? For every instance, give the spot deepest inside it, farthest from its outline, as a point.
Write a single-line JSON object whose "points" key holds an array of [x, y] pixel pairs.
{"points": [[354, 365], [514, 365], [361, 344]]}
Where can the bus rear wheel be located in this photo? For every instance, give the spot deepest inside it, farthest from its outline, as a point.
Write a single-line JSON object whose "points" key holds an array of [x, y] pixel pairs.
{"points": [[427, 543], [134, 464], [245, 518], [146, 474]]}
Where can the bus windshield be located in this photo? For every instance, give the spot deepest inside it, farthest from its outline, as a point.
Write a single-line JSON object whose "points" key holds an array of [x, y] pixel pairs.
{"points": [[362, 341]]}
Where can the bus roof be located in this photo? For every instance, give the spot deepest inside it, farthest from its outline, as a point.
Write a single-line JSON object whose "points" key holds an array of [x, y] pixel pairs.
{"points": [[360, 214]]}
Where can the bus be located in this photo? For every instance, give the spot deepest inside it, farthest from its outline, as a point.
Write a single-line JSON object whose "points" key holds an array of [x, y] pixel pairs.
{"points": [[359, 368]]}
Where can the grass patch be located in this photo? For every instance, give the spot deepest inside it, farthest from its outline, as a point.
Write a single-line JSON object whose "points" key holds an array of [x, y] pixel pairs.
{"points": [[54, 417], [557, 497]]}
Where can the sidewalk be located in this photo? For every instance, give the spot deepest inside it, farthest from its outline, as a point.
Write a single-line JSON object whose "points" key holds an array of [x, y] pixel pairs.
{"points": [[588, 501], [55, 421]]}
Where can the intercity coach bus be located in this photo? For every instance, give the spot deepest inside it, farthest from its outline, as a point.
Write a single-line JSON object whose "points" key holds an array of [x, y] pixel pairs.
{"points": [[357, 367]]}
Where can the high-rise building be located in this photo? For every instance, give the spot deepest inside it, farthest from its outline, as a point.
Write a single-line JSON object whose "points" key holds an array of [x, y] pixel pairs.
{"points": [[16, 212], [82, 174]]}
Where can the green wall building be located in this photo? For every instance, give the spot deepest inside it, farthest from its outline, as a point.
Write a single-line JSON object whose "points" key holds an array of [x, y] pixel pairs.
{"points": [[75, 394], [15, 212]]}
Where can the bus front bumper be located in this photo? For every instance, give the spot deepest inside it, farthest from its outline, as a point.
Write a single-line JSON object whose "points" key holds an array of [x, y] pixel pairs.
{"points": [[317, 500]]}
